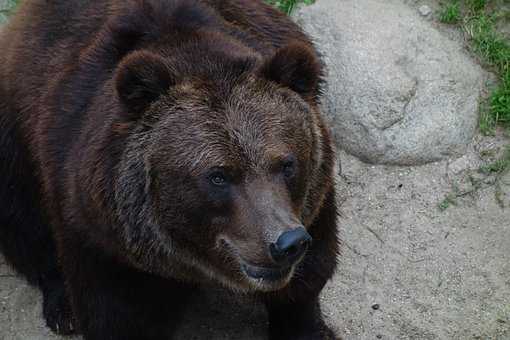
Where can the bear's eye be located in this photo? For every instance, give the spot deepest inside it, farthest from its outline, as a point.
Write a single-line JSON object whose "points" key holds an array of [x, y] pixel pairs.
{"points": [[218, 178], [289, 167]]}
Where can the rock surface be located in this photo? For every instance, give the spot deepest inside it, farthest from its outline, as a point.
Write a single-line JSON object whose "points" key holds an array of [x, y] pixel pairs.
{"points": [[425, 10], [399, 91]]}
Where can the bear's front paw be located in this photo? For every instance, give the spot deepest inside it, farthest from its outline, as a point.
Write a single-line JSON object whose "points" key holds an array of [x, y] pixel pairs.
{"points": [[57, 310], [319, 333], [327, 334]]}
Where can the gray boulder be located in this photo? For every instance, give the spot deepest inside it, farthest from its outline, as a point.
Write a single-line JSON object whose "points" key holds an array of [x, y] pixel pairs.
{"points": [[399, 92]]}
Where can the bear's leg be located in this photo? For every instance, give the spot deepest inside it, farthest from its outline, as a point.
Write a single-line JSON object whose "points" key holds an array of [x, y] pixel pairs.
{"points": [[298, 321], [25, 236], [294, 312], [113, 301], [56, 307]]}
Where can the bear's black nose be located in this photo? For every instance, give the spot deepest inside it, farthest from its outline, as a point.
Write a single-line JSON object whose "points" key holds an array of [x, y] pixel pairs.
{"points": [[290, 246]]}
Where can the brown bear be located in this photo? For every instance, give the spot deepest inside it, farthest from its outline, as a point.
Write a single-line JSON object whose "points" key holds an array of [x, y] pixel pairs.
{"points": [[151, 146]]}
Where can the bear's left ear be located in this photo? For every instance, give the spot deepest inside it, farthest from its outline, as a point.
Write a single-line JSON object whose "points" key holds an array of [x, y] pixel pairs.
{"points": [[141, 78], [297, 67]]}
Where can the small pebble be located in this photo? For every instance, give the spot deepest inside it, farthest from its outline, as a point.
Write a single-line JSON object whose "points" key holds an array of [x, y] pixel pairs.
{"points": [[376, 306], [378, 336], [424, 10]]}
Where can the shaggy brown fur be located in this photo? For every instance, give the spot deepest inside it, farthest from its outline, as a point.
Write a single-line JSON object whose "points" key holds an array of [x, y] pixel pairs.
{"points": [[147, 146]]}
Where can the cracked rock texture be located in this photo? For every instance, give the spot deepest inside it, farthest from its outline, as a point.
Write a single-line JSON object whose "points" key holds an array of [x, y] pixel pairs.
{"points": [[400, 92]]}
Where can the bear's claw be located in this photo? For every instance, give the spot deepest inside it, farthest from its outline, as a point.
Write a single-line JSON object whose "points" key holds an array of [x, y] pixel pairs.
{"points": [[57, 310]]}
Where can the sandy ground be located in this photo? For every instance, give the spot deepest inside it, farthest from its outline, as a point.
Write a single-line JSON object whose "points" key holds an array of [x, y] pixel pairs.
{"points": [[433, 274]]}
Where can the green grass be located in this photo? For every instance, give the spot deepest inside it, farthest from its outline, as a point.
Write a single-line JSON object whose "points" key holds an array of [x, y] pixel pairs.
{"points": [[499, 167], [448, 201], [496, 51], [450, 13], [476, 5], [479, 19], [288, 5], [497, 170]]}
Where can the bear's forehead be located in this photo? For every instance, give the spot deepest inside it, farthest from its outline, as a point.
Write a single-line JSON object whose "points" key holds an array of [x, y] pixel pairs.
{"points": [[250, 129], [233, 144]]}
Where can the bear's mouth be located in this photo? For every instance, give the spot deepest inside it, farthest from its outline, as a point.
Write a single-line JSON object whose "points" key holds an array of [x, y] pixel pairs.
{"points": [[267, 274], [261, 278]]}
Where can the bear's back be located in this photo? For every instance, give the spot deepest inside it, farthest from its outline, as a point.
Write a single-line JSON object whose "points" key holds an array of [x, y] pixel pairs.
{"points": [[55, 33], [44, 37]]}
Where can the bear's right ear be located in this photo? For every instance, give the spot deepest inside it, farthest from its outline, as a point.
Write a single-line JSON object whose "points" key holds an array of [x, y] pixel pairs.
{"points": [[297, 67], [141, 78]]}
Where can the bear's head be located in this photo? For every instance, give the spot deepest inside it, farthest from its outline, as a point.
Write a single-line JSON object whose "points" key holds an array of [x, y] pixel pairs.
{"points": [[224, 166]]}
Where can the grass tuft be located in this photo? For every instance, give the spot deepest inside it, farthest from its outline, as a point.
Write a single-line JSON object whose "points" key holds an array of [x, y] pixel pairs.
{"points": [[488, 43], [499, 167], [448, 201], [450, 14], [480, 19], [288, 6], [495, 51], [476, 5]]}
